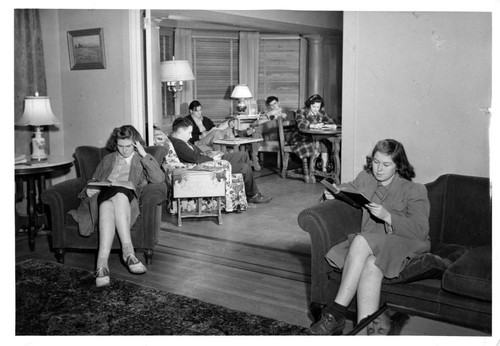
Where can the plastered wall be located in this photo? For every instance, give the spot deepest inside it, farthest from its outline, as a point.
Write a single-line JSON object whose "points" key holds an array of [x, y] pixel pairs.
{"points": [[423, 78]]}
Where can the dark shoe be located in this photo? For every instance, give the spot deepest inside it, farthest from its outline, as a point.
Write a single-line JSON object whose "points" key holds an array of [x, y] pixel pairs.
{"points": [[259, 199], [327, 325]]}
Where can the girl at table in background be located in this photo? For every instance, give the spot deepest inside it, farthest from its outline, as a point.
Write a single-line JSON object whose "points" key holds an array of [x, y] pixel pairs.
{"points": [[314, 114]]}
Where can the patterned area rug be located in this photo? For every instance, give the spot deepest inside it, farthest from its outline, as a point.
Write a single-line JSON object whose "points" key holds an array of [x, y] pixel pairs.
{"points": [[54, 299]]}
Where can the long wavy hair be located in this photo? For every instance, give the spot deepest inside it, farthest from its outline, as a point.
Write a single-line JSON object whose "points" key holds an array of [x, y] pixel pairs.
{"points": [[397, 152], [124, 132]]}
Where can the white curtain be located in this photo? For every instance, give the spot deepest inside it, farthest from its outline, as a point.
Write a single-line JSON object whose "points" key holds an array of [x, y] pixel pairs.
{"points": [[249, 60], [183, 51]]}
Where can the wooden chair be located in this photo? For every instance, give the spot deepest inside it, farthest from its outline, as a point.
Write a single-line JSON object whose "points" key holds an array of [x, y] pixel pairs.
{"points": [[271, 143], [284, 129]]}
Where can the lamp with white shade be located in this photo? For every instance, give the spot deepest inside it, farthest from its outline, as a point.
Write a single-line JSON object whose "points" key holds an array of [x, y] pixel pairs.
{"points": [[37, 113], [241, 92], [174, 73]]}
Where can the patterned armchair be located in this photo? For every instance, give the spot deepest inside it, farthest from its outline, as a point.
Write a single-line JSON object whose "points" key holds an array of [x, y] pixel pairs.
{"points": [[179, 174]]}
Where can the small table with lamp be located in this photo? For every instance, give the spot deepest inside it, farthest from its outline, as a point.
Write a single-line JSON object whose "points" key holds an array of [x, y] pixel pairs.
{"points": [[37, 113]]}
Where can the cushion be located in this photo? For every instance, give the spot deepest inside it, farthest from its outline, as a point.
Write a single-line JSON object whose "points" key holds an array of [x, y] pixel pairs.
{"points": [[424, 266], [449, 251], [160, 138], [471, 274]]}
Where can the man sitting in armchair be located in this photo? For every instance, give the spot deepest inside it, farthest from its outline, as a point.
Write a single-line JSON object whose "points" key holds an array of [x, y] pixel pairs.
{"points": [[181, 134], [204, 130]]}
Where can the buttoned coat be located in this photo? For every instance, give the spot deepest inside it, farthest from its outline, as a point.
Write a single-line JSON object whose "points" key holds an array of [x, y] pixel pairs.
{"points": [[409, 206]]}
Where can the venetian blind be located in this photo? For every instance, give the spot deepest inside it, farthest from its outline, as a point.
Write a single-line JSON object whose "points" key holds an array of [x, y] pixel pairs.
{"points": [[279, 71], [215, 64]]}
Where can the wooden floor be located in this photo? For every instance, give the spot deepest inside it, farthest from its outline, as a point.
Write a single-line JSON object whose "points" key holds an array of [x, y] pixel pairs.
{"points": [[257, 261]]}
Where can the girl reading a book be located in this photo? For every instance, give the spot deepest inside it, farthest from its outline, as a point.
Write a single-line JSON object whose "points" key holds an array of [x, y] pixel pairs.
{"points": [[314, 114], [118, 206], [394, 229]]}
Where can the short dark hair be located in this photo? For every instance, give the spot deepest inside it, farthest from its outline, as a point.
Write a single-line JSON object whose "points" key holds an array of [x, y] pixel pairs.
{"points": [[271, 99], [124, 132], [397, 152], [181, 123], [314, 99], [194, 104]]}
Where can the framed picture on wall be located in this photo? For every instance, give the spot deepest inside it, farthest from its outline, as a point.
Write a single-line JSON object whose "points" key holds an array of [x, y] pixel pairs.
{"points": [[86, 49]]}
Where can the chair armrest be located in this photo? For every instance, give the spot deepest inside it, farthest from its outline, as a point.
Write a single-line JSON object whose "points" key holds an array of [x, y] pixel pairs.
{"points": [[152, 195], [62, 198], [151, 200], [329, 223]]}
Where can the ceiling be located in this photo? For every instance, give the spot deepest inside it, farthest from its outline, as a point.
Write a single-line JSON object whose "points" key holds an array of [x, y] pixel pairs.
{"points": [[326, 23]]}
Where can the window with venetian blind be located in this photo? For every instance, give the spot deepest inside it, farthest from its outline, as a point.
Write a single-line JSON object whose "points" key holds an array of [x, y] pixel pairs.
{"points": [[279, 71], [216, 67]]}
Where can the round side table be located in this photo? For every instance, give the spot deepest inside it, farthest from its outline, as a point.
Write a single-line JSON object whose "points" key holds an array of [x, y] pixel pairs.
{"points": [[35, 172]]}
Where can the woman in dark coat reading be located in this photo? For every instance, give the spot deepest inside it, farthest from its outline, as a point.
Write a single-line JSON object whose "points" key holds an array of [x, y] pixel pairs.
{"points": [[394, 229]]}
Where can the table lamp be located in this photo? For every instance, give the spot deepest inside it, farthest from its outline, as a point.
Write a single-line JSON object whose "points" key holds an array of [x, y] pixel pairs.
{"points": [[241, 92], [37, 113]]}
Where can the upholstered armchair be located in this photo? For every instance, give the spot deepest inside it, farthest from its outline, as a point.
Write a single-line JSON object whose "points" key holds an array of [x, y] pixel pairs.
{"points": [[187, 177], [63, 197]]}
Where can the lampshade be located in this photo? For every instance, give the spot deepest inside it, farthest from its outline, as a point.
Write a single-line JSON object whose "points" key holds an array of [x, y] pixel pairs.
{"points": [[176, 71], [241, 91], [37, 112]]}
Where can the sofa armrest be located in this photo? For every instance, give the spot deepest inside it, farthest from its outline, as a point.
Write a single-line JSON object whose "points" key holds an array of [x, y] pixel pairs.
{"points": [[62, 198], [328, 223]]}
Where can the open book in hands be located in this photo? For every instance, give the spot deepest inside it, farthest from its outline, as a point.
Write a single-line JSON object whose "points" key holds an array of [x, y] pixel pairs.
{"points": [[214, 154], [356, 199], [100, 184]]}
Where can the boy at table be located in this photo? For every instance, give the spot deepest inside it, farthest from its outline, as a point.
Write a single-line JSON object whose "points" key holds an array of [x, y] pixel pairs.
{"points": [[266, 126], [204, 130]]}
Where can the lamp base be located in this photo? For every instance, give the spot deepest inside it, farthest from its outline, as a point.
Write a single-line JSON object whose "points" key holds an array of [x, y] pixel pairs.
{"points": [[241, 107], [38, 146]]}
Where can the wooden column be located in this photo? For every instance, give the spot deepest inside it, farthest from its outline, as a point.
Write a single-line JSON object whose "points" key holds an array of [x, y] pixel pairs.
{"points": [[315, 65]]}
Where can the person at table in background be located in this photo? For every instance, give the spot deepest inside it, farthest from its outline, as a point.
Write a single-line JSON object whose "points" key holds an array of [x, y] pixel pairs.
{"points": [[189, 153], [266, 125], [204, 130], [118, 207], [394, 229], [312, 114]]}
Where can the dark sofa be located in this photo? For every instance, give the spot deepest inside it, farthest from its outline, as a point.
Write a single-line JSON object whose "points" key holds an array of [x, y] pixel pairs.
{"points": [[452, 282]]}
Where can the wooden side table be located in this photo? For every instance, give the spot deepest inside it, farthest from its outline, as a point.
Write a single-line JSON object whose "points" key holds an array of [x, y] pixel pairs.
{"points": [[35, 173]]}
